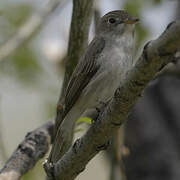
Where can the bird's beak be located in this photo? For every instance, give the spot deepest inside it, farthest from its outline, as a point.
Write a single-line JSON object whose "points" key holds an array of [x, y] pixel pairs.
{"points": [[131, 21]]}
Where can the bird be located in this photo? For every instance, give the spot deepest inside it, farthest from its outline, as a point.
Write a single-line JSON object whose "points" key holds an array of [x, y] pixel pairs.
{"points": [[98, 74]]}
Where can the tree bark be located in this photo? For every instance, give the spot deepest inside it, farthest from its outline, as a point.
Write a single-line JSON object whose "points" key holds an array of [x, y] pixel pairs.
{"points": [[29, 151]]}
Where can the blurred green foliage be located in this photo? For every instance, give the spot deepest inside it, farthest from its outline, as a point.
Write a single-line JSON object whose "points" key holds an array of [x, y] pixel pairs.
{"points": [[134, 7], [36, 173], [16, 14], [157, 2], [50, 109], [23, 64]]}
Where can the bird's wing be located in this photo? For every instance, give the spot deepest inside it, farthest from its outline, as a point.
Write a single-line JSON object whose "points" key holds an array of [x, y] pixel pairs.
{"points": [[85, 70]]}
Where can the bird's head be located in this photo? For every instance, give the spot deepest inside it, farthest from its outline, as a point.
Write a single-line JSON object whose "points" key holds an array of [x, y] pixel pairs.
{"points": [[117, 22]]}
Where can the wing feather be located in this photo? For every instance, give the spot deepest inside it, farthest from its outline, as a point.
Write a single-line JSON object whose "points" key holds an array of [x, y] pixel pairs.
{"points": [[83, 73]]}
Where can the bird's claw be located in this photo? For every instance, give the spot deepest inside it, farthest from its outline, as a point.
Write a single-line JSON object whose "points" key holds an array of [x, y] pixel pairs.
{"points": [[49, 169]]}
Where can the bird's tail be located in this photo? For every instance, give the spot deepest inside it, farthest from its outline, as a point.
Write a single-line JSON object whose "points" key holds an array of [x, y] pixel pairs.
{"points": [[61, 144], [63, 139]]}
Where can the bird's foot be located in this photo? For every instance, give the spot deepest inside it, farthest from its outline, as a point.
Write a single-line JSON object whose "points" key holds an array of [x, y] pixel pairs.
{"points": [[49, 169]]}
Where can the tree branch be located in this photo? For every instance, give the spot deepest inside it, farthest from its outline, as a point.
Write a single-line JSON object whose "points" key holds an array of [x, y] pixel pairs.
{"points": [[97, 15], [27, 30], [30, 150], [78, 37], [156, 54]]}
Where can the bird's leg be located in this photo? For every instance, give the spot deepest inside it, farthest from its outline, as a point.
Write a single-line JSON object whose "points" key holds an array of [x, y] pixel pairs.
{"points": [[49, 169]]}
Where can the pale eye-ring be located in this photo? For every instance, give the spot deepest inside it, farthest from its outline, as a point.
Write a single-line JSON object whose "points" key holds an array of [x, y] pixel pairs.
{"points": [[111, 20]]}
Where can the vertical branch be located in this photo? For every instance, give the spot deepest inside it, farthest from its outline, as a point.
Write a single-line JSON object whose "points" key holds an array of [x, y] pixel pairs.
{"points": [[115, 155], [78, 37], [97, 15]]}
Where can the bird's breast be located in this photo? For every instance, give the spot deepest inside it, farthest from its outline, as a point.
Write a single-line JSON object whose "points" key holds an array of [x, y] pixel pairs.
{"points": [[115, 59]]}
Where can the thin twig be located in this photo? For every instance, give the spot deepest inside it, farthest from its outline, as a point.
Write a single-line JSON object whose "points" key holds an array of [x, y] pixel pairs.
{"points": [[97, 15]]}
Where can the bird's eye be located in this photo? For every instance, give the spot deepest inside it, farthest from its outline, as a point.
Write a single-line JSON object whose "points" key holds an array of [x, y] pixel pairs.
{"points": [[111, 20]]}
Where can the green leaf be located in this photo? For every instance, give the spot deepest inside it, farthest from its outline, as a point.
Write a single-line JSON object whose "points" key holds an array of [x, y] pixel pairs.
{"points": [[84, 120], [134, 7], [157, 2], [36, 173], [22, 65]]}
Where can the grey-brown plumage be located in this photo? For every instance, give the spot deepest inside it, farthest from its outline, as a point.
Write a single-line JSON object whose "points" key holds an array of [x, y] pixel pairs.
{"points": [[98, 74], [85, 70]]}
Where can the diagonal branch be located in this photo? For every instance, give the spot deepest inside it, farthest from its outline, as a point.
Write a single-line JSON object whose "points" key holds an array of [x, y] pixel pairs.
{"points": [[156, 54], [27, 30], [29, 151]]}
